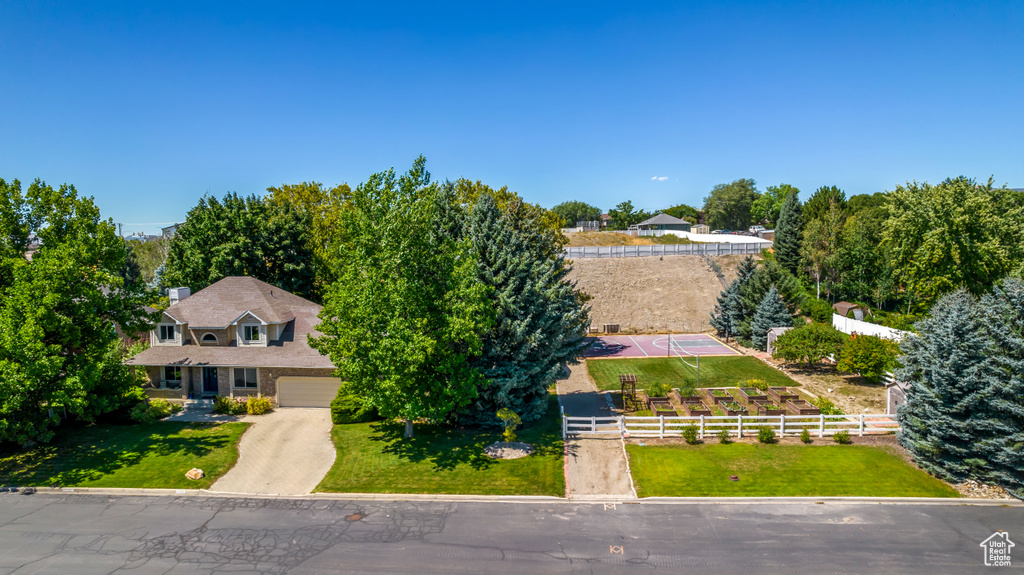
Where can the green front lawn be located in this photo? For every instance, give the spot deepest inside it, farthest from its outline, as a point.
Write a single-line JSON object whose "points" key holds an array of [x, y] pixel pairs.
{"points": [[154, 455], [375, 458], [715, 371], [778, 471]]}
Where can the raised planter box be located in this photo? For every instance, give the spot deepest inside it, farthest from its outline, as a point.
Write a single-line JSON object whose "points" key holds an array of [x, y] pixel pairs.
{"points": [[733, 408], [651, 401], [682, 399], [770, 409], [752, 394], [781, 395], [698, 408], [801, 407], [718, 399]]}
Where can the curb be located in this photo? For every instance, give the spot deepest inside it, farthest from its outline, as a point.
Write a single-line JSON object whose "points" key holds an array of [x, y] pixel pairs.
{"points": [[398, 497]]}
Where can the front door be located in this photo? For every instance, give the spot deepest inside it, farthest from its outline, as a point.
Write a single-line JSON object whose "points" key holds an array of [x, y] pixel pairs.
{"points": [[210, 380]]}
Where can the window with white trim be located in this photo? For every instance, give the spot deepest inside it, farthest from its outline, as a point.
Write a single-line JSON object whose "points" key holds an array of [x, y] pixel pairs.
{"points": [[172, 373], [250, 333], [165, 332], [245, 377], [209, 338]]}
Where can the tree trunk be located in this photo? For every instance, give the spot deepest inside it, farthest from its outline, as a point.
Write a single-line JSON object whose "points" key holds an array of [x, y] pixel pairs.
{"points": [[408, 428]]}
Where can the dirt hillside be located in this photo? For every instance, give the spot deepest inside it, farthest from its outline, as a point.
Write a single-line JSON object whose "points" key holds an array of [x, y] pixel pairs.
{"points": [[577, 239], [652, 294]]}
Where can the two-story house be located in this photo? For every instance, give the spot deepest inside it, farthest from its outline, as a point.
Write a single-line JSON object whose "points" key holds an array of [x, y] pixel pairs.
{"points": [[237, 337]]}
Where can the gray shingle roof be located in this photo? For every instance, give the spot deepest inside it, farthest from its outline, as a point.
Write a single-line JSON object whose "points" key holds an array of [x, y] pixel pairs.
{"points": [[662, 219], [221, 304]]}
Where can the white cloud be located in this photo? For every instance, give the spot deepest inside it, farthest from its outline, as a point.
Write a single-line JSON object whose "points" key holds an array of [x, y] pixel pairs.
{"points": [[659, 178]]}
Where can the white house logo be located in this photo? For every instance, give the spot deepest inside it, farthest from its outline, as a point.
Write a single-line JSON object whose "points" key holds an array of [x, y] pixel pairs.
{"points": [[997, 549]]}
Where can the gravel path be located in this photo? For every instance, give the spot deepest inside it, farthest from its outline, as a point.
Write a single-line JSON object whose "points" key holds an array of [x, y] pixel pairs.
{"points": [[595, 467]]}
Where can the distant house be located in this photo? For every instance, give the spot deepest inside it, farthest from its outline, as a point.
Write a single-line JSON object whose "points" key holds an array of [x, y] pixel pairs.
{"points": [[605, 220], [664, 222], [170, 230], [238, 337]]}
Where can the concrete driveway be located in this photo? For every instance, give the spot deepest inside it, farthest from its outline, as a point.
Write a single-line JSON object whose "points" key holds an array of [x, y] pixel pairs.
{"points": [[286, 452]]}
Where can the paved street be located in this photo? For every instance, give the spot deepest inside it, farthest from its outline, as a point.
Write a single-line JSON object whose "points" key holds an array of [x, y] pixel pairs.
{"points": [[85, 534]]}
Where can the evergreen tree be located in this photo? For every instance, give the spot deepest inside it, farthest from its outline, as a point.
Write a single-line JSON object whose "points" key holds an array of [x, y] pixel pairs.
{"points": [[771, 313], [770, 274], [540, 321], [947, 369], [787, 234], [1003, 412], [728, 309]]}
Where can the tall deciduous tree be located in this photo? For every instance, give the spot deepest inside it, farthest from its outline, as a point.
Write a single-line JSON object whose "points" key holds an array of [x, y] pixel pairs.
{"points": [[407, 313], [728, 205], [789, 234], [321, 208], [576, 211], [821, 247], [625, 215], [540, 320], [947, 368], [59, 355], [242, 236], [771, 313], [822, 200], [767, 207], [955, 234], [685, 212]]}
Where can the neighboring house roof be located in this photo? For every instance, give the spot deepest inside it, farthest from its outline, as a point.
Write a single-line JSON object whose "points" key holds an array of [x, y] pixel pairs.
{"points": [[844, 307], [220, 305], [661, 220], [225, 302]]}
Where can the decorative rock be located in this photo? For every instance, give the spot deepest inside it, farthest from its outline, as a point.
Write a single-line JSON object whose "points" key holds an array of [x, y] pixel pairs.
{"points": [[974, 490], [511, 450], [194, 474]]}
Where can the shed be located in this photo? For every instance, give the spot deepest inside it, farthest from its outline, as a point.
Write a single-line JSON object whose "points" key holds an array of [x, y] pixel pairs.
{"points": [[664, 222], [700, 229], [844, 307], [773, 334]]}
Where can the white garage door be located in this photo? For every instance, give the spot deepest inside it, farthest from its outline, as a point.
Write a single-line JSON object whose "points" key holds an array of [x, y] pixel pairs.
{"points": [[306, 391]]}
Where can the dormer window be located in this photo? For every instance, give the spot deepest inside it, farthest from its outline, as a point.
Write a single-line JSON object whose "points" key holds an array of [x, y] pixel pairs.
{"points": [[166, 332], [209, 338], [250, 333]]}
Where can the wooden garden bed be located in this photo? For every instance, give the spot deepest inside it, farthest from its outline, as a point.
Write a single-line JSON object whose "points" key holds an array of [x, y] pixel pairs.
{"points": [[801, 407], [752, 394], [781, 395]]}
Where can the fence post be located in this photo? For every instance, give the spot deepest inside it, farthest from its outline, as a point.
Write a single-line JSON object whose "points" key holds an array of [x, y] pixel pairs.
{"points": [[622, 425], [739, 425], [821, 428], [565, 426], [661, 430], [782, 425], [702, 427], [862, 425], [593, 424]]}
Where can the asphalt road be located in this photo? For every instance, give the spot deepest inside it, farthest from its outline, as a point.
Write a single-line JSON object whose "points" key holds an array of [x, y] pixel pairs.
{"points": [[86, 534]]}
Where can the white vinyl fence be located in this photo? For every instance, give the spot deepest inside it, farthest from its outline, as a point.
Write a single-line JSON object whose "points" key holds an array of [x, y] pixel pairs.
{"points": [[738, 426], [848, 326], [709, 249]]}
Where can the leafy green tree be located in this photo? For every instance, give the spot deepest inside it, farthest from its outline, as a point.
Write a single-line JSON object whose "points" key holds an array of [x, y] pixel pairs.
{"points": [[865, 202], [821, 202], [809, 343], [771, 313], [624, 215], [728, 205], [788, 234], [955, 234], [59, 355], [242, 236], [575, 211], [947, 409], [1003, 412], [869, 355], [768, 206], [820, 247], [525, 215], [863, 263], [150, 255], [407, 314], [540, 320], [320, 208], [685, 212], [728, 311]]}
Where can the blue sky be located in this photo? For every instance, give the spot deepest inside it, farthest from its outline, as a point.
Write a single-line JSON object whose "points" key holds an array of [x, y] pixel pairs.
{"points": [[147, 107]]}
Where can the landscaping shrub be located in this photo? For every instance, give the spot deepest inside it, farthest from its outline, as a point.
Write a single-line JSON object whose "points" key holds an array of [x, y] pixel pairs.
{"points": [[842, 437], [826, 406], [690, 434], [154, 410], [258, 405], [687, 390], [817, 309], [723, 437], [805, 436], [225, 405], [809, 343], [766, 434], [757, 384], [348, 407], [869, 355], [658, 389], [511, 420]]}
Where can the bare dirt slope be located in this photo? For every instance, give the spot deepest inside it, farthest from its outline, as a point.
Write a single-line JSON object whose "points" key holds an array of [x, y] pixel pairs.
{"points": [[577, 239], [652, 294]]}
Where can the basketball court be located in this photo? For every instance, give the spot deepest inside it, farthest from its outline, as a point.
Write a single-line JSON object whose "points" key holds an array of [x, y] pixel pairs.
{"points": [[676, 345]]}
